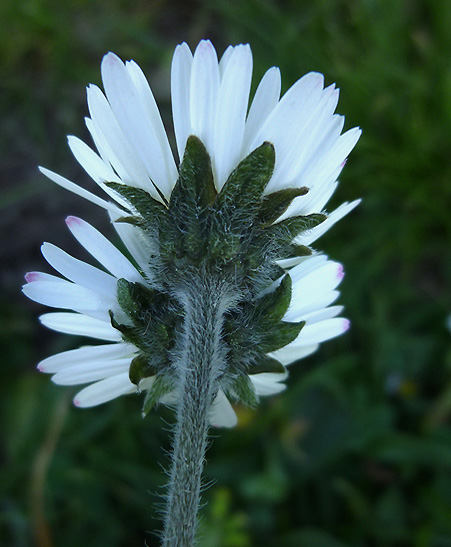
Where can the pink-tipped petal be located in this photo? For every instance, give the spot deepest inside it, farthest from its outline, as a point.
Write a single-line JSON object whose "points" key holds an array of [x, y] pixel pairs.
{"points": [[32, 276]]}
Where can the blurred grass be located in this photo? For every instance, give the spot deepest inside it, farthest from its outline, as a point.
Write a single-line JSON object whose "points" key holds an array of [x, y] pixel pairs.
{"points": [[357, 451]]}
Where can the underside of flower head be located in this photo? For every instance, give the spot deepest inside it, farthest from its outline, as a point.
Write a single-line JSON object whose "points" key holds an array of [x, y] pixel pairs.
{"points": [[230, 236], [242, 207]]}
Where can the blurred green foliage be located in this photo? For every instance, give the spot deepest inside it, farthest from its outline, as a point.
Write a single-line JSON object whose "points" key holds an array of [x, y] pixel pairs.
{"points": [[357, 451]]}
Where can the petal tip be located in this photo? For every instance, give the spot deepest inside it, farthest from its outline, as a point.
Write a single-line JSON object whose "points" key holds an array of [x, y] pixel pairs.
{"points": [[204, 47], [110, 63], [31, 276], [110, 58], [72, 221], [318, 79], [205, 43], [183, 45]]}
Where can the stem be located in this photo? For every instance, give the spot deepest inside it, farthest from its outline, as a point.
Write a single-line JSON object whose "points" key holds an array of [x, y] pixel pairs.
{"points": [[201, 362]]}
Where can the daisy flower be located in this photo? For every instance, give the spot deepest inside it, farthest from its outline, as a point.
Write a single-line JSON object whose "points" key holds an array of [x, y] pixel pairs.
{"points": [[235, 208]]}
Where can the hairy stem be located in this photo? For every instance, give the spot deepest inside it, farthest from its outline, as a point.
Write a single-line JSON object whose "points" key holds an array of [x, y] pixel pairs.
{"points": [[201, 360]]}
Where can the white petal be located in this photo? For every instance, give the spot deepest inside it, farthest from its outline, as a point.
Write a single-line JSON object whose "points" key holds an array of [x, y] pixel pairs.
{"points": [[268, 383], [79, 272], [233, 98], [104, 391], [322, 161], [72, 187], [321, 170], [265, 99], [136, 242], [84, 373], [81, 325], [298, 311], [102, 250], [99, 170], [320, 315], [308, 290], [297, 261], [85, 354], [318, 173], [311, 167], [313, 133], [304, 265], [221, 412], [110, 158], [180, 94], [344, 145], [308, 264], [204, 88], [69, 296], [291, 353], [146, 383], [317, 199], [168, 169], [320, 197], [226, 56], [287, 263], [321, 331], [90, 161], [101, 144], [110, 138], [139, 120], [282, 125], [41, 276], [315, 233]]}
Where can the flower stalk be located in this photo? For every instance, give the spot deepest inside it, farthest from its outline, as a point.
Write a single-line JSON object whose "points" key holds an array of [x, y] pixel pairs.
{"points": [[200, 362]]}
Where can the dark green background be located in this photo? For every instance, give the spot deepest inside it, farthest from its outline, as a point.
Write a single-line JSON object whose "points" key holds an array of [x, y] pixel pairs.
{"points": [[357, 451]]}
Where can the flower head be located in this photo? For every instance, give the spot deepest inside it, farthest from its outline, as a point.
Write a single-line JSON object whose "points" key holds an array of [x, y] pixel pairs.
{"points": [[243, 204]]}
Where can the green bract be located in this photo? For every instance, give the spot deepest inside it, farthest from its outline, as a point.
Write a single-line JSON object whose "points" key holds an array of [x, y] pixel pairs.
{"points": [[232, 234]]}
